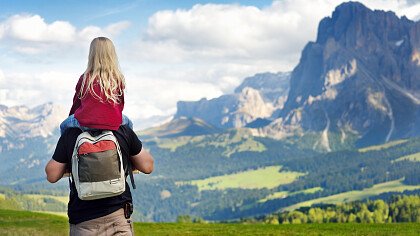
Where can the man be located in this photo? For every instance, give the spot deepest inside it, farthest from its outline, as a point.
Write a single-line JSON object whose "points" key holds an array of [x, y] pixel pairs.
{"points": [[104, 216]]}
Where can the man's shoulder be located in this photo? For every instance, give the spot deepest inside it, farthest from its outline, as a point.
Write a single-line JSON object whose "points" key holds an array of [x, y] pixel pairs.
{"points": [[125, 130], [72, 133]]}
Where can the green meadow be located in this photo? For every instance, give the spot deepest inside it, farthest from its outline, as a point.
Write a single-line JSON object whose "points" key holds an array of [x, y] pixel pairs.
{"points": [[268, 177], [383, 146], [42, 197], [30, 223], [284, 194], [413, 157], [391, 186]]}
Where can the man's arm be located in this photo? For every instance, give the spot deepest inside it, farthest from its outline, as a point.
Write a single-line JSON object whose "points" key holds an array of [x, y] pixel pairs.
{"points": [[54, 170], [143, 161]]}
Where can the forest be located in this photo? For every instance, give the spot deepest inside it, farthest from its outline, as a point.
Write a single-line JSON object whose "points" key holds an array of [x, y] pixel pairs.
{"points": [[397, 209]]}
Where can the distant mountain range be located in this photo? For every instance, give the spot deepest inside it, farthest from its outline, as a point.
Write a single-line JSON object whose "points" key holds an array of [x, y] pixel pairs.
{"points": [[361, 78], [20, 123], [259, 96]]}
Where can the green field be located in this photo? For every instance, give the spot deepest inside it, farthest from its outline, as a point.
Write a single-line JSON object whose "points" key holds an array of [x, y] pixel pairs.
{"points": [[391, 186], [383, 146], [233, 142], [413, 157], [63, 199], [284, 194], [2, 196], [175, 143], [268, 177], [29, 223]]}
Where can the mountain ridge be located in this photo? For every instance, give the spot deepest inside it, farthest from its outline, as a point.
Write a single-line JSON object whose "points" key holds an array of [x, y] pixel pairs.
{"points": [[359, 77]]}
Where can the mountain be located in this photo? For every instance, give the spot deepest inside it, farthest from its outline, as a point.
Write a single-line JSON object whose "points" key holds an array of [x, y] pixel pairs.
{"points": [[19, 123], [360, 77], [258, 96], [27, 140], [181, 126]]}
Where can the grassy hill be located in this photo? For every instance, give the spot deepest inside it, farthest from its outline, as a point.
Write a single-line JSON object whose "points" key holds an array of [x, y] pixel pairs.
{"points": [[391, 186], [30, 223]]}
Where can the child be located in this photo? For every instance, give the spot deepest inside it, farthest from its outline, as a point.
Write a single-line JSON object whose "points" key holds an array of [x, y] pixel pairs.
{"points": [[99, 99]]}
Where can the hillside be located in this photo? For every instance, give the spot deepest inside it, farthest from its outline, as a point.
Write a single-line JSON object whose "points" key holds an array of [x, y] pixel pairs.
{"points": [[234, 175]]}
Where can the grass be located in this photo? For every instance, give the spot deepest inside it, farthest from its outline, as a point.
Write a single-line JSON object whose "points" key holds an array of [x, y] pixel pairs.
{"points": [[2, 196], [307, 191], [30, 223], [63, 199], [153, 229], [57, 213], [383, 146], [268, 177], [173, 143], [284, 194], [391, 186], [413, 157], [275, 195], [234, 142]]}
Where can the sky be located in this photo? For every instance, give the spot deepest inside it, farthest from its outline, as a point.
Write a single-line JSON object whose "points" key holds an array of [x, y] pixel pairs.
{"points": [[168, 50]]}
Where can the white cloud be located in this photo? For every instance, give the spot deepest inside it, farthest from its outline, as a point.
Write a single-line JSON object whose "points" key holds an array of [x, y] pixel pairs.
{"points": [[31, 34], [32, 90], [242, 33], [90, 32], [148, 97], [34, 28]]}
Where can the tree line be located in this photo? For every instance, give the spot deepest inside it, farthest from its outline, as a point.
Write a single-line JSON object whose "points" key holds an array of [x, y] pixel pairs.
{"points": [[400, 208]]}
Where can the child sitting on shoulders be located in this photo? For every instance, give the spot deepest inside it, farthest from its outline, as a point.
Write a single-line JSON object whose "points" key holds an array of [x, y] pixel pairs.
{"points": [[99, 98]]}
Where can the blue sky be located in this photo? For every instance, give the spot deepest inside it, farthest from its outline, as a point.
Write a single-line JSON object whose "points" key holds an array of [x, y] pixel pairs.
{"points": [[168, 50], [106, 11]]}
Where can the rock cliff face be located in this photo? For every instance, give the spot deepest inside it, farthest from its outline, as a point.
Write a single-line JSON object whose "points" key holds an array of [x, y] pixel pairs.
{"points": [[361, 76], [20, 122], [257, 97]]}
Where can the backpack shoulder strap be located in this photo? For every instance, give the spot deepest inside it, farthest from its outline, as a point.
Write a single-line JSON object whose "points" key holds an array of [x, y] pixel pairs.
{"points": [[130, 172]]}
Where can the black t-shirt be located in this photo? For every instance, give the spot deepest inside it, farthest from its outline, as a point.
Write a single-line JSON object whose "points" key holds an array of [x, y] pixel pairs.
{"points": [[83, 210]]}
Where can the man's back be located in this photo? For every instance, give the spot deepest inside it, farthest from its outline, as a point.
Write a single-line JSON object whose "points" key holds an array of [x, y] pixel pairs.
{"points": [[80, 210]]}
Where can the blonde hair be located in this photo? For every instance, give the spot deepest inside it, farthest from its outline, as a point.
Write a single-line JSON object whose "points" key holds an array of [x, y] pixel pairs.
{"points": [[103, 67]]}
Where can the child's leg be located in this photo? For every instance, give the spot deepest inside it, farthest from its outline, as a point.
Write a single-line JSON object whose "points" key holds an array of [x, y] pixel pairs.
{"points": [[70, 122], [127, 121]]}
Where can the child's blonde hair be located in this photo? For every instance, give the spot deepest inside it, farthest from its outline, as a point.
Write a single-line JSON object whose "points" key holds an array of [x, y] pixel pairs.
{"points": [[103, 66]]}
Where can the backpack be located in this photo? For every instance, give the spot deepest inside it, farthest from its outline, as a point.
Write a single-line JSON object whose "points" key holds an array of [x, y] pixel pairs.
{"points": [[97, 166]]}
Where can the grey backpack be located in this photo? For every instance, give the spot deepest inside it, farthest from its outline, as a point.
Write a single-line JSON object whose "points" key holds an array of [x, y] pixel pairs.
{"points": [[97, 166]]}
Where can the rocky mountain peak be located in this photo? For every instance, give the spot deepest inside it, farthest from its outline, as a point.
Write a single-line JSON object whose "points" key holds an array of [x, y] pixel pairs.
{"points": [[22, 122], [258, 96], [354, 25], [361, 76]]}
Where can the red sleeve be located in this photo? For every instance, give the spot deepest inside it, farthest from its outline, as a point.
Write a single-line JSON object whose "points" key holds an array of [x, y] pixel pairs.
{"points": [[76, 99]]}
